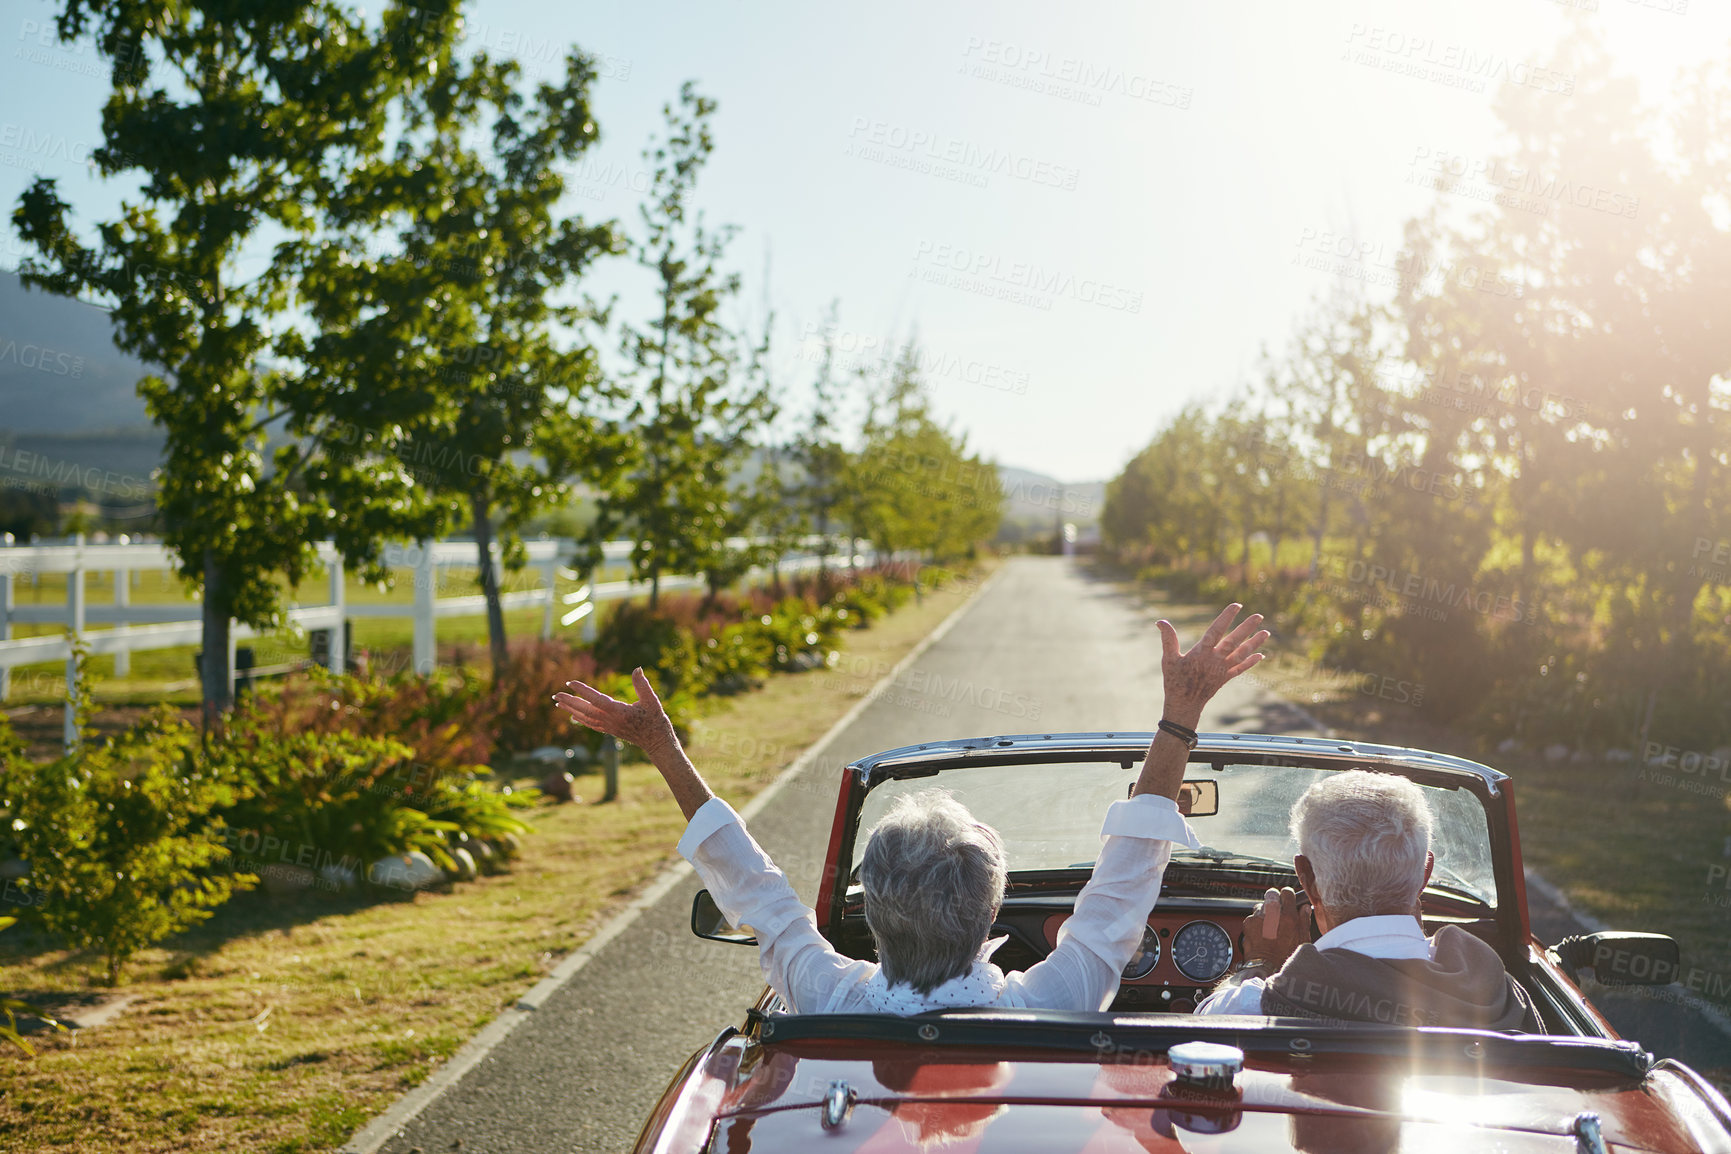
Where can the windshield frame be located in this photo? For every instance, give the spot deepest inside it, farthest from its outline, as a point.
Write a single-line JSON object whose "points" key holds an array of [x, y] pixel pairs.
{"points": [[1488, 786]]}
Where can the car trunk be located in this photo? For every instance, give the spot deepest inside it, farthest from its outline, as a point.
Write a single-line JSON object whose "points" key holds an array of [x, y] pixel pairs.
{"points": [[983, 1100]]}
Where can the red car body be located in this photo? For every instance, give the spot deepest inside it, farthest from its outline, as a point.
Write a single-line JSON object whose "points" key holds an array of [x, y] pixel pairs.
{"points": [[995, 1080]]}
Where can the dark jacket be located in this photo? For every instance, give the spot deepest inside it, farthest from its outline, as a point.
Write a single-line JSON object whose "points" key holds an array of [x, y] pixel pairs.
{"points": [[1464, 985]]}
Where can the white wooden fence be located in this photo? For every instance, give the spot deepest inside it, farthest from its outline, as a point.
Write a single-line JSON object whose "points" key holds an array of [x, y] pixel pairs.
{"points": [[135, 628]]}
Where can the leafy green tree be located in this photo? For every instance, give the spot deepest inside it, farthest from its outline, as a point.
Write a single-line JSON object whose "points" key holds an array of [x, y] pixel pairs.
{"points": [[818, 453], [699, 394], [1159, 507], [914, 485], [435, 355], [236, 122]]}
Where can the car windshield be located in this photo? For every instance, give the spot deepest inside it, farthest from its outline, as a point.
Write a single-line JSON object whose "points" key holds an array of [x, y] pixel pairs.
{"points": [[1049, 816]]}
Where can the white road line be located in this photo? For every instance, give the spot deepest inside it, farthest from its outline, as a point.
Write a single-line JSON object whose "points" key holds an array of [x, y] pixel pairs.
{"points": [[405, 1109]]}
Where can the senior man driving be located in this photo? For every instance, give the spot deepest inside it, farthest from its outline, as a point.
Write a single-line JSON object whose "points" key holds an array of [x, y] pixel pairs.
{"points": [[1363, 859], [933, 876]]}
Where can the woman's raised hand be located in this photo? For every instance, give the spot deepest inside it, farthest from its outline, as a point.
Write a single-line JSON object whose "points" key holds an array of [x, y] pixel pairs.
{"points": [[644, 723], [1223, 653]]}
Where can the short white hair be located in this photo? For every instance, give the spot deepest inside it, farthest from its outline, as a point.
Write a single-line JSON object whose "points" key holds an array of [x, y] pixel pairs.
{"points": [[934, 879], [1367, 836]]}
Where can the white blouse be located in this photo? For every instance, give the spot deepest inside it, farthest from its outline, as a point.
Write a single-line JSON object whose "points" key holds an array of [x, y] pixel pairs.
{"points": [[1082, 973]]}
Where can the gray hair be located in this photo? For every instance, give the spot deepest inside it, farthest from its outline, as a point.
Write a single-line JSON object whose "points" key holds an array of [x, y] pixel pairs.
{"points": [[1367, 836], [934, 879]]}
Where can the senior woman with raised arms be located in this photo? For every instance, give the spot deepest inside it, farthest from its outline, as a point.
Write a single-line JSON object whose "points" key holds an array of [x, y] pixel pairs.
{"points": [[933, 876]]}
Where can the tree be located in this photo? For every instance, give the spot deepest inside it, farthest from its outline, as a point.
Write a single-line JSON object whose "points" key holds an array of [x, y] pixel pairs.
{"points": [[235, 120], [1160, 505], [439, 352], [817, 450], [699, 396], [914, 485]]}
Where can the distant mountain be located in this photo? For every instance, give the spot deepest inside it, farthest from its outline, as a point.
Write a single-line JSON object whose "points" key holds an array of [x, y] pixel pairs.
{"points": [[1037, 499], [59, 370], [71, 421]]}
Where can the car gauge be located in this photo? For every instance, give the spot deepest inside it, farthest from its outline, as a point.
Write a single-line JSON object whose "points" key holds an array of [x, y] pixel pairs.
{"points": [[1147, 956], [1202, 951]]}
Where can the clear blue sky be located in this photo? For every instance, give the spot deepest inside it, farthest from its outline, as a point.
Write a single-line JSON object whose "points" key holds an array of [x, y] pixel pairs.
{"points": [[1089, 212]]}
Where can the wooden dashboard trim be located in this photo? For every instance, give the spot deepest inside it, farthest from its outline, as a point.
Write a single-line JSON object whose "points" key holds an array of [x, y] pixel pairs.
{"points": [[1166, 971]]}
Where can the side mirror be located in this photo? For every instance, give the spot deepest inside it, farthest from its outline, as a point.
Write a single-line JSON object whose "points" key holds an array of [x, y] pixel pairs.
{"points": [[1196, 798], [707, 921], [1621, 959]]}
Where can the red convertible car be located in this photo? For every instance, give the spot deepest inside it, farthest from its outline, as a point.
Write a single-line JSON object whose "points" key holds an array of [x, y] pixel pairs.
{"points": [[1148, 1074]]}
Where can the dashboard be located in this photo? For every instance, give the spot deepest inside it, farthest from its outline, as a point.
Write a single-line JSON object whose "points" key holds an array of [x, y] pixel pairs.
{"points": [[1184, 953], [1188, 945]]}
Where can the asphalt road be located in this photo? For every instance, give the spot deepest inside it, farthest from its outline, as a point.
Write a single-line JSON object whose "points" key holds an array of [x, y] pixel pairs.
{"points": [[584, 1071]]}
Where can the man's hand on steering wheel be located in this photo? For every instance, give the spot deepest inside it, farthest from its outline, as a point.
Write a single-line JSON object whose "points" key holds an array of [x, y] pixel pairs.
{"points": [[1278, 925]]}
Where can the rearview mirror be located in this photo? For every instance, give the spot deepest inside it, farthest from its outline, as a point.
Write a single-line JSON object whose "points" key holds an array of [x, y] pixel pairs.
{"points": [[1195, 798], [1199, 798], [1621, 959], [707, 921]]}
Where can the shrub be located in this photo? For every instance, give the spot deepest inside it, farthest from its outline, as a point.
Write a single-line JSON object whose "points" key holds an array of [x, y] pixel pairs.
{"points": [[734, 657], [797, 627], [346, 797], [634, 635], [521, 701], [119, 839]]}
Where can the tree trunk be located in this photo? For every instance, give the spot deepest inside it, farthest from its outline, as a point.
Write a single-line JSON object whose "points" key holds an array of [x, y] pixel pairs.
{"points": [[214, 673], [1279, 531], [480, 511], [823, 554], [654, 588], [1321, 528], [1528, 543]]}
